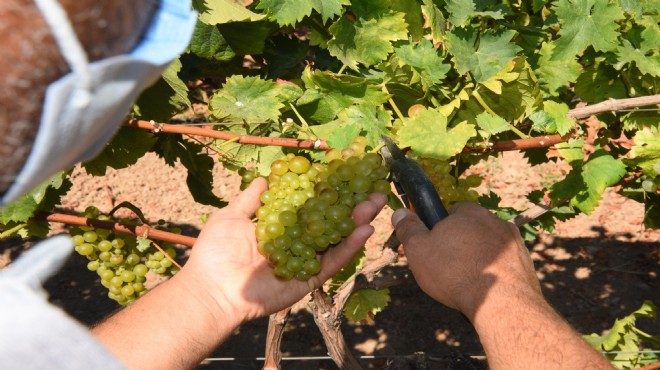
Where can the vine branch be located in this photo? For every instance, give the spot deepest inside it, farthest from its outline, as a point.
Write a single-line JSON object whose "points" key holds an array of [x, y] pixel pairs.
{"points": [[611, 105], [137, 230], [276, 324]]}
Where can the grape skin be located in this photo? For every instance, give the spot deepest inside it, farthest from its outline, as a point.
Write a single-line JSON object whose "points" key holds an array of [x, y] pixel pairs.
{"points": [[308, 206]]}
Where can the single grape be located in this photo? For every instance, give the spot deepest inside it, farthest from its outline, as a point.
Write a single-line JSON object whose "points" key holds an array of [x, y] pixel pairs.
{"points": [[90, 236], [85, 249], [648, 185], [656, 167], [283, 272], [78, 240], [312, 267], [127, 290], [294, 264], [104, 245], [279, 167], [299, 165], [93, 265], [140, 269]]}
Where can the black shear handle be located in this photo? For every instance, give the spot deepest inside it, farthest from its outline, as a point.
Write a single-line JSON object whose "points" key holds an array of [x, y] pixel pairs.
{"points": [[420, 192]]}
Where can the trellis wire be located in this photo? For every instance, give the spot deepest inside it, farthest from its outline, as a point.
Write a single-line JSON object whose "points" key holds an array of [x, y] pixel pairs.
{"points": [[368, 357]]}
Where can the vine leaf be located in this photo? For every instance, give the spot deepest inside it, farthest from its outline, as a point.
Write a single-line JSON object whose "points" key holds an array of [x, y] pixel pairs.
{"points": [[425, 61], [492, 125], [291, 11], [427, 134], [247, 99], [646, 151], [585, 184], [327, 94], [199, 165], [347, 272], [624, 342], [125, 149], [555, 75], [226, 11], [207, 42], [367, 40], [43, 197], [434, 20], [363, 304], [368, 120], [586, 23], [552, 118], [596, 84], [169, 88], [495, 50], [637, 46], [460, 11]]}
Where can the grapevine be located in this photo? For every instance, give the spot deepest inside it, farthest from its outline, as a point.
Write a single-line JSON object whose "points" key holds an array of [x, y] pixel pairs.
{"points": [[308, 207]]}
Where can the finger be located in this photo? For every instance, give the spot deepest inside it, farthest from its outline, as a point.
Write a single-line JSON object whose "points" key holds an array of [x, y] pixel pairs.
{"points": [[407, 224], [248, 201], [336, 258], [366, 211]]}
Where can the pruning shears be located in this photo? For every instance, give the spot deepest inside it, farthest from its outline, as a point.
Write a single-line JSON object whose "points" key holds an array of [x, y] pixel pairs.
{"points": [[413, 186]]}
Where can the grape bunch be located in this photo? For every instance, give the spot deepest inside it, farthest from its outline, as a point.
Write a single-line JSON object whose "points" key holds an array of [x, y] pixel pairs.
{"points": [[118, 261], [651, 184], [308, 206], [449, 188]]}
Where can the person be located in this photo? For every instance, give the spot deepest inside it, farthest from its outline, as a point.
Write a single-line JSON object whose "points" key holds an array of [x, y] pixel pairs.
{"points": [[471, 261]]}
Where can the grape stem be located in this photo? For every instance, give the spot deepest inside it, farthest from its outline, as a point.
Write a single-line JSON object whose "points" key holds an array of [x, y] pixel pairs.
{"points": [[165, 254], [9, 232], [137, 230]]}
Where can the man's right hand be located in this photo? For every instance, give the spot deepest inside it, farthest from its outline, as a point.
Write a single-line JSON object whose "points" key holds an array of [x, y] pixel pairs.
{"points": [[478, 264]]}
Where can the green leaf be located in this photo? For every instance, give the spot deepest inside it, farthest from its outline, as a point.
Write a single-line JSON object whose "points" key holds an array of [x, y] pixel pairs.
{"points": [[552, 119], [293, 11], [571, 151], [226, 11], [169, 88], [247, 99], [372, 122], [172, 147], [247, 38], [364, 303], [424, 60], [586, 23], [492, 125], [434, 20], [599, 83], [347, 272], [413, 16], [555, 76], [208, 42], [43, 197], [125, 149], [428, 135], [646, 151], [461, 11], [236, 155], [585, 184], [367, 40], [642, 50], [491, 56], [143, 243], [327, 94]]}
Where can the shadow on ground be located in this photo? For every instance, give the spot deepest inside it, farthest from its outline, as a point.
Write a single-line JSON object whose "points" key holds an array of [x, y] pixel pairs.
{"points": [[590, 281]]}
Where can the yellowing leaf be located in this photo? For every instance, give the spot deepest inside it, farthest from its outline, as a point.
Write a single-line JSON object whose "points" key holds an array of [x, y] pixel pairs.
{"points": [[428, 135]]}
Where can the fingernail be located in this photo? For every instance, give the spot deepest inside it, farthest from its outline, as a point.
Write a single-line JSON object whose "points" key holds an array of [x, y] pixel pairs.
{"points": [[399, 215]]}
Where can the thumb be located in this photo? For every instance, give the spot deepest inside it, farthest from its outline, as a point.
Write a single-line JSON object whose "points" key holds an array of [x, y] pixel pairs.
{"points": [[248, 201], [407, 224]]}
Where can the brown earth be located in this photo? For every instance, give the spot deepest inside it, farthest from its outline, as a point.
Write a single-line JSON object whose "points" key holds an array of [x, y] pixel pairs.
{"points": [[593, 268]]}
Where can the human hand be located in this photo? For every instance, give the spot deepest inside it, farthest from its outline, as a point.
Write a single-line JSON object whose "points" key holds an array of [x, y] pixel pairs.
{"points": [[227, 265], [466, 256]]}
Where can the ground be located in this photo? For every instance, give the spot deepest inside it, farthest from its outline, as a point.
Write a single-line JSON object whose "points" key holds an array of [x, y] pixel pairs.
{"points": [[593, 268]]}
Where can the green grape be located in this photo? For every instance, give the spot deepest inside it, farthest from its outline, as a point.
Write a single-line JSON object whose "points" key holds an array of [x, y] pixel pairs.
{"points": [[78, 240], [648, 185], [140, 269], [345, 226], [312, 267], [85, 249], [127, 290], [302, 275], [315, 228], [299, 164], [473, 181], [359, 184], [133, 259], [287, 218], [656, 167], [104, 245], [279, 167], [283, 272], [307, 253], [106, 275], [274, 230], [127, 276], [294, 264], [279, 257], [283, 242], [90, 236], [93, 265], [137, 287]]}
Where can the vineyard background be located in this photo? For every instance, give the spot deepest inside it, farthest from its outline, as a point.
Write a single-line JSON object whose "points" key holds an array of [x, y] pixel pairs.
{"points": [[594, 268]]}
